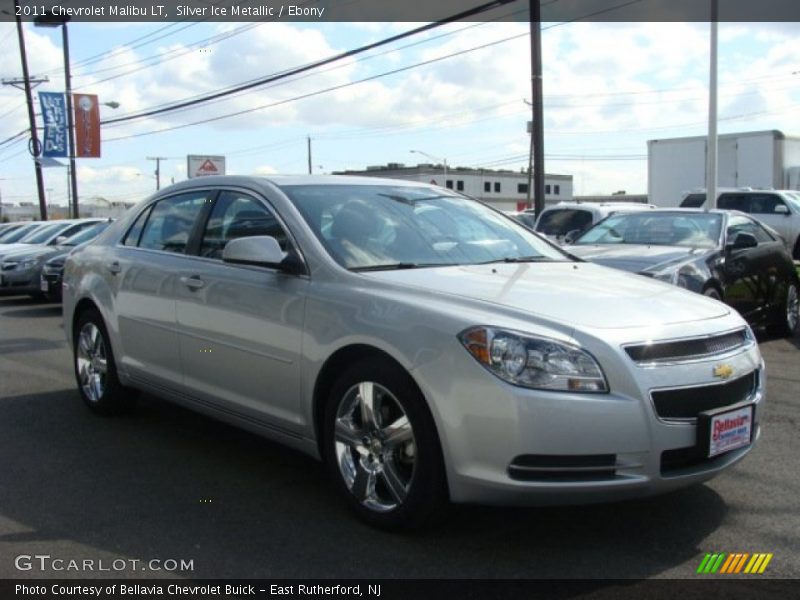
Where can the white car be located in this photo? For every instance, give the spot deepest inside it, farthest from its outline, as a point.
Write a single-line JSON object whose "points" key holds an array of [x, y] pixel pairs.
{"points": [[422, 344], [779, 209], [565, 221]]}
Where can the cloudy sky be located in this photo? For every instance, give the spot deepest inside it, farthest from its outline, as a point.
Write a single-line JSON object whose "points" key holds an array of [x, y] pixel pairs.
{"points": [[608, 89]]}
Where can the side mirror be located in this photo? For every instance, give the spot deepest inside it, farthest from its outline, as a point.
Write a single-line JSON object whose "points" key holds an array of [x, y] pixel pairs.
{"points": [[742, 241], [61, 239], [572, 236], [781, 209], [262, 251]]}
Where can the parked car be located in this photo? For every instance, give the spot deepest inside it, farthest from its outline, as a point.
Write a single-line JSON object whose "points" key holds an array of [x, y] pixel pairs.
{"points": [[21, 271], [526, 218], [779, 209], [422, 344], [565, 221], [7, 228], [725, 255], [14, 234], [47, 233]]}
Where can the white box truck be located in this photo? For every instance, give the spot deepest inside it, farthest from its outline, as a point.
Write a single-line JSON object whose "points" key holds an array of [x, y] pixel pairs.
{"points": [[756, 159]]}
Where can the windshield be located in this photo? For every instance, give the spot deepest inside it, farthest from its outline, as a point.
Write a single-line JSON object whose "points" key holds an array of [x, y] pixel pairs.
{"points": [[375, 227], [86, 235], [4, 231], [20, 233], [40, 236], [657, 229]]}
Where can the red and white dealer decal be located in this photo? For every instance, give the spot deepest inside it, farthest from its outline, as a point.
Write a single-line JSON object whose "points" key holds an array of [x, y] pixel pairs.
{"points": [[730, 430]]}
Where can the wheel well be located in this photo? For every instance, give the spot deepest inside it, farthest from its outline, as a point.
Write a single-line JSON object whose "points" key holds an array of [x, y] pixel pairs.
{"points": [[81, 308], [714, 285], [334, 366]]}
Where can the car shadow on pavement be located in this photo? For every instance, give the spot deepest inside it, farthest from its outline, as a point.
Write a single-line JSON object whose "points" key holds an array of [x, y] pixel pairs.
{"points": [[47, 310], [164, 482]]}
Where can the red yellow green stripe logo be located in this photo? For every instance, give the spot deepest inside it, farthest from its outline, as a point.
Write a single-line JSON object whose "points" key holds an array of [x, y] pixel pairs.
{"points": [[734, 563]]}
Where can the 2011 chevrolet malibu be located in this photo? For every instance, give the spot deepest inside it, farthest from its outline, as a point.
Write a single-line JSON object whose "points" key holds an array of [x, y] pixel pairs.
{"points": [[425, 346]]}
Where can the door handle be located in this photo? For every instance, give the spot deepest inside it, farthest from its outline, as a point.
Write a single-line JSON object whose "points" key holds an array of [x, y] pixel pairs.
{"points": [[114, 267], [193, 282]]}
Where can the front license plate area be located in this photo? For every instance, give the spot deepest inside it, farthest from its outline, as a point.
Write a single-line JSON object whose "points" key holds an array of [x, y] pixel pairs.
{"points": [[43, 285], [722, 430]]}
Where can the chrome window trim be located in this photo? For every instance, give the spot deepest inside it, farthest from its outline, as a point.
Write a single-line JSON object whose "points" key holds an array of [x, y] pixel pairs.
{"points": [[217, 261]]}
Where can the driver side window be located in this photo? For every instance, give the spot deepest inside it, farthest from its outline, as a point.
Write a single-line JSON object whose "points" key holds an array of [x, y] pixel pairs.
{"points": [[238, 215]]}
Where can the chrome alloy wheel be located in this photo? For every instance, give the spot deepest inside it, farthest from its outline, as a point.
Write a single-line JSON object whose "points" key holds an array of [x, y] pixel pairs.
{"points": [[792, 308], [91, 362], [375, 447]]}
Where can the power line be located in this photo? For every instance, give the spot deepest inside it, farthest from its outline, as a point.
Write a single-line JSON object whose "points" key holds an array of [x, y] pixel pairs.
{"points": [[318, 92], [269, 79], [313, 74]]}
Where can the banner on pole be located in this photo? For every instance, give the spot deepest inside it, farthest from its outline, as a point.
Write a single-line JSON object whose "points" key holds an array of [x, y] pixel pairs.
{"points": [[54, 115], [87, 125]]}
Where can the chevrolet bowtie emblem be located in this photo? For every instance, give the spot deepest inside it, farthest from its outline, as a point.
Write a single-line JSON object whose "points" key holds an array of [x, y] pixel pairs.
{"points": [[723, 371]]}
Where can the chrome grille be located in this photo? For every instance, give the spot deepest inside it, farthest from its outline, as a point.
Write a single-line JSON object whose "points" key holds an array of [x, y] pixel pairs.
{"points": [[688, 349]]}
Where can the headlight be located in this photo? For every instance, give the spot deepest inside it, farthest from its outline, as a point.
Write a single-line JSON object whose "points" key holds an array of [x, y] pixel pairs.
{"points": [[534, 362], [27, 264]]}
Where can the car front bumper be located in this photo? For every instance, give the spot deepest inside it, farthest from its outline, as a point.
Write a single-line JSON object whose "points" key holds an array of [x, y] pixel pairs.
{"points": [[509, 445], [16, 281]]}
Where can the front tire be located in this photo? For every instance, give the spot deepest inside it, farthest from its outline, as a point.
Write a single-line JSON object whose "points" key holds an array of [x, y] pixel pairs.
{"points": [[786, 319], [95, 369], [381, 447]]}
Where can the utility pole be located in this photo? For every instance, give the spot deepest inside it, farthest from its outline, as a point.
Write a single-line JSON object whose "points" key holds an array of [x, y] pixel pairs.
{"points": [[158, 160], [73, 178], [537, 132], [309, 155], [34, 146]]}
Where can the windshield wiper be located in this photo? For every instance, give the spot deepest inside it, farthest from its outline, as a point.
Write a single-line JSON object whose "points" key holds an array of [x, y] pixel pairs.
{"points": [[399, 266], [411, 201], [519, 259]]}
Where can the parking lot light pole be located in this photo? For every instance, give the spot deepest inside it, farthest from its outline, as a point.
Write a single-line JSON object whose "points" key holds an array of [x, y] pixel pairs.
{"points": [[436, 158], [711, 144]]}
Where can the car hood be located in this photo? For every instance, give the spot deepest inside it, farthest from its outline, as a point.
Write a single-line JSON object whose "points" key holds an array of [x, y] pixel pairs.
{"points": [[577, 294], [636, 258], [30, 253], [6, 249]]}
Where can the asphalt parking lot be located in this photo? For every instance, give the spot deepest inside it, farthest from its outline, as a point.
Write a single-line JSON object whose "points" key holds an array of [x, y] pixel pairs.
{"points": [[165, 483]]}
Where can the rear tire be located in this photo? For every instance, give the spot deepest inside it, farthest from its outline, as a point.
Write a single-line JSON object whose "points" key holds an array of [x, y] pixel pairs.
{"points": [[381, 447], [95, 369], [712, 292]]}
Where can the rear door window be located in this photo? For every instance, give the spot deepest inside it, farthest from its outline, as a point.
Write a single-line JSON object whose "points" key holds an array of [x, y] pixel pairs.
{"points": [[734, 202], [693, 201], [561, 221], [171, 222]]}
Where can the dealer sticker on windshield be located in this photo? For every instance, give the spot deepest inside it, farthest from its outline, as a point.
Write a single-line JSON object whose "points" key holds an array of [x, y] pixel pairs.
{"points": [[730, 430]]}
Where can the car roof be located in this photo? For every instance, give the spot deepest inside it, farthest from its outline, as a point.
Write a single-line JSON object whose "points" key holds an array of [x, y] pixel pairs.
{"points": [[290, 180]]}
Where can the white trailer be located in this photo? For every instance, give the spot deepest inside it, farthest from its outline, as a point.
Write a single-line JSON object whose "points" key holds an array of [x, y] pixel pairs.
{"points": [[756, 159]]}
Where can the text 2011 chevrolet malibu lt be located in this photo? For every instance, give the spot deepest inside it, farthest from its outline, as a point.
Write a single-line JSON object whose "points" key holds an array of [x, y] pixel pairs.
{"points": [[425, 346]]}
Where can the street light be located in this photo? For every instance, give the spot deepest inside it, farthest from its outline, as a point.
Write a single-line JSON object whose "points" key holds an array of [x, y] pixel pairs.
{"points": [[436, 158]]}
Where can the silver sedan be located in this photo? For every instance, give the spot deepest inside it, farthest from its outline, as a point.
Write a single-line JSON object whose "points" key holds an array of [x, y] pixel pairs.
{"points": [[425, 346]]}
